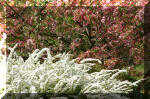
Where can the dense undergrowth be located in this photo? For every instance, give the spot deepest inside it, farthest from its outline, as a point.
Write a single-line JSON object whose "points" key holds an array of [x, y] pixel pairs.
{"points": [[61, 74]]}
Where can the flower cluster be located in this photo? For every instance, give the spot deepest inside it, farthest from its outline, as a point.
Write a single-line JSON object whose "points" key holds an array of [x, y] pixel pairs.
{"points": [[60, 74]]}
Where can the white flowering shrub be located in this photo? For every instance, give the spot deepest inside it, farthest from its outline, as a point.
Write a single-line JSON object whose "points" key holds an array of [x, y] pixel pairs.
{"points": [[2, 68], [60, 74]]}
